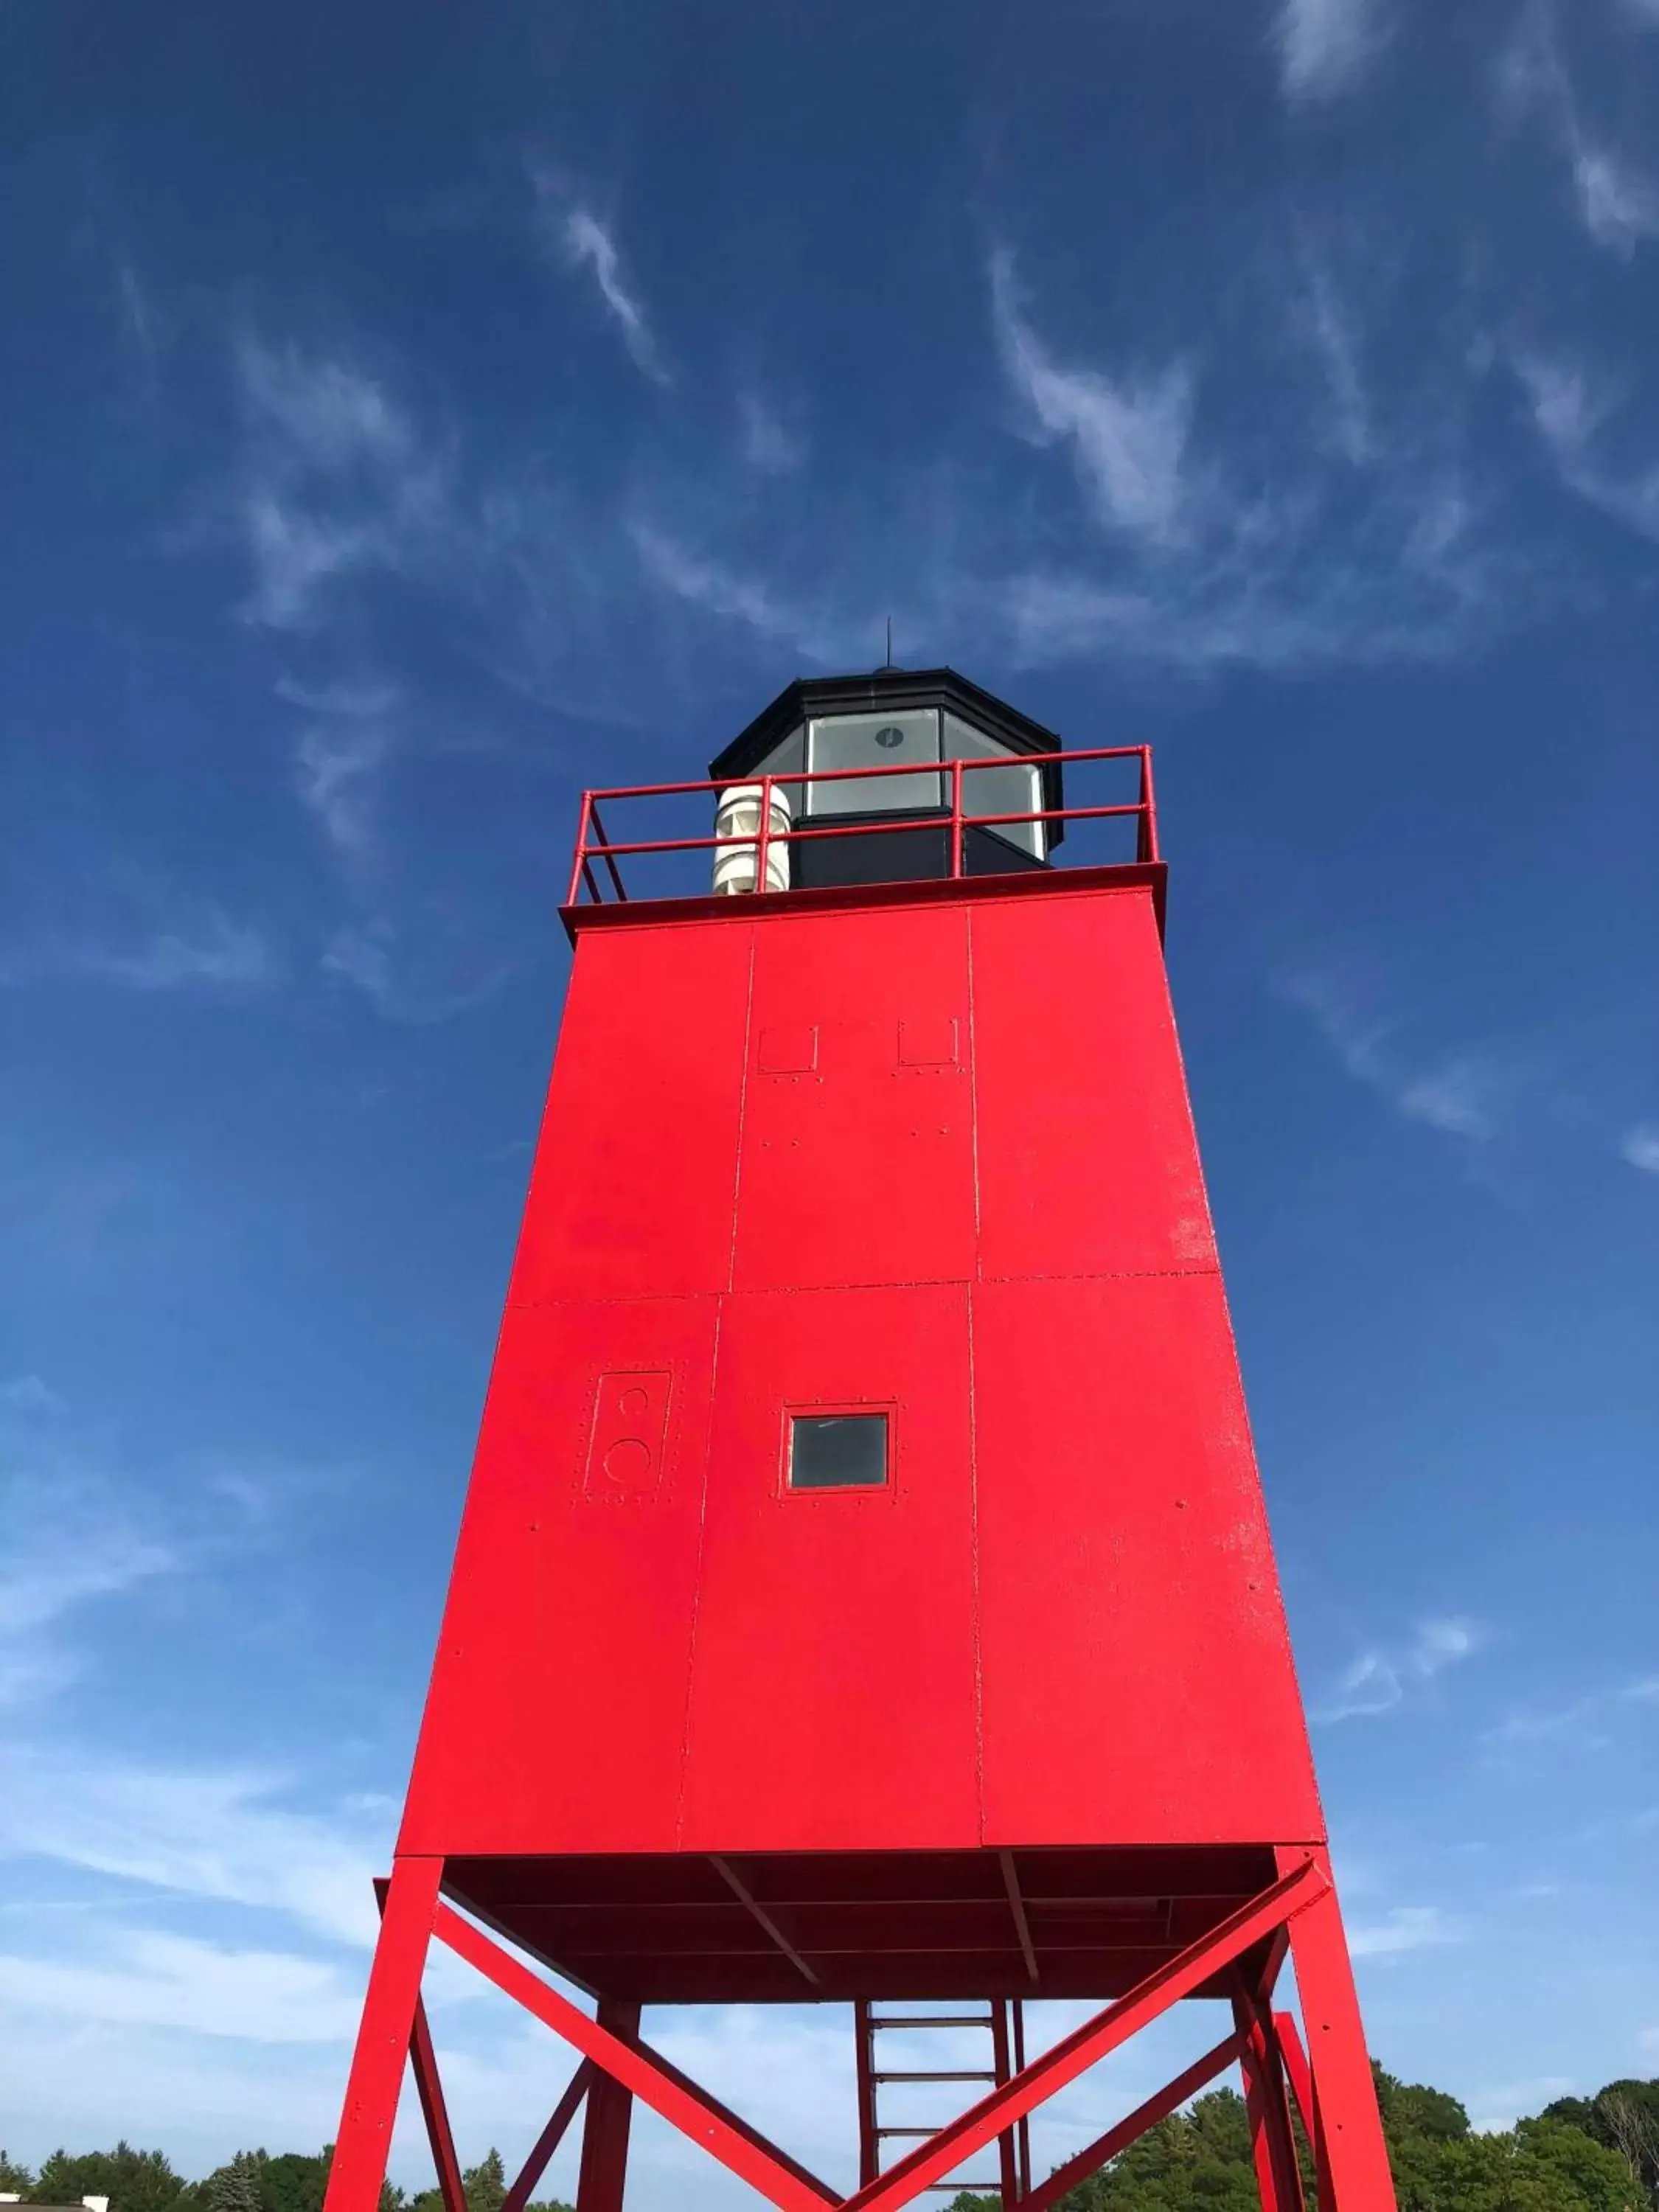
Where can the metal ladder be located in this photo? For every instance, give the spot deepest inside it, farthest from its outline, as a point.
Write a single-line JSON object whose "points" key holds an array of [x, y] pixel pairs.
{"points": [[1004, 2020]]}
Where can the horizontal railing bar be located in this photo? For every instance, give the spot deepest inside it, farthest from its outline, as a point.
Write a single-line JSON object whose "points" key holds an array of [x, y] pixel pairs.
{"points": [[854, 826], [848, 774], [931, 2019]]}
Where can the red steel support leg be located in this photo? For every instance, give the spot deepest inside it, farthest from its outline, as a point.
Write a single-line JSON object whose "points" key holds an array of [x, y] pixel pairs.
{"points": [[1008, 2156], [1356, 2155], [424, 2062], [383, 2037], [423, 2059], [604, 2129], [1169, 2098], [549, 2138], [1302, 2088], [864, 2056], [1278, 2178], [1022, 2125]]}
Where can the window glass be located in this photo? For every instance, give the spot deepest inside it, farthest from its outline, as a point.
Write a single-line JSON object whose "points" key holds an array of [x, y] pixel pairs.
{"points": [[843, 741], [837, 1451], [997, 791], [784, 759]]}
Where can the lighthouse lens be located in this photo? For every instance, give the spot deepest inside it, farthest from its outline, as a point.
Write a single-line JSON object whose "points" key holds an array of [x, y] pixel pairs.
{"points": [[837, 1451]]}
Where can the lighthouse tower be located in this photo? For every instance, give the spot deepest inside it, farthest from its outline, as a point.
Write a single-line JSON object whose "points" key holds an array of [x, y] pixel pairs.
{"points": [[864, 1595]]}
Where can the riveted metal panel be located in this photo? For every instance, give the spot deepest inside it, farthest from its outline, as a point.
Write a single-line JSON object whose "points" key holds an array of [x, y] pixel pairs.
{"points": [[556, 1715], [1088, 1163], [1138, 1684], [636, 1172], [833, 1691], [856, 1152]]}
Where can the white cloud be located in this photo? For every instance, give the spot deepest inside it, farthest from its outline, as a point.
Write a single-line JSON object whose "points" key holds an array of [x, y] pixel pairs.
{"points": [[717, 590], [68, 1545], [1404, 1928], [1571, 409], [1324, 45], [1381, 1678], [767, 444], [1617, 203], [1328, 327], [1620, 204], [1462, 1094], [336, 769], [336, 480], [146, 1979], [1295, 566], [30, 1394], [429, 972], [330, 415], [218, 1835], [1639, 1146], [579, 239], [1129, 436], [214, 951]]}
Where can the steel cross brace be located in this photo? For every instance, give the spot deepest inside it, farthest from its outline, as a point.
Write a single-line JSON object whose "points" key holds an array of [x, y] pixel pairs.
{"points": [[783, 2180]]}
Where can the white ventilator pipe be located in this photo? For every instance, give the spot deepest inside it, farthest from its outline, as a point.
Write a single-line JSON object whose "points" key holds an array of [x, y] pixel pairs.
{"points": [[739, 815]]}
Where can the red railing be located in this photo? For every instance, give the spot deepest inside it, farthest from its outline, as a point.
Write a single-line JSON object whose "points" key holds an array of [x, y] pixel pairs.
{"points": [[593, 845]]}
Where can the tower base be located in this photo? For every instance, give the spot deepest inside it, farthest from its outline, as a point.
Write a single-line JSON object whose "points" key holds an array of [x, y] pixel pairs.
{"points": [[1322, 2070]]}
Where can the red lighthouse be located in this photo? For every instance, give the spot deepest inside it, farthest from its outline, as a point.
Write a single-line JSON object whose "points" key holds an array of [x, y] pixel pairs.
{"points": [[864, 1595]]}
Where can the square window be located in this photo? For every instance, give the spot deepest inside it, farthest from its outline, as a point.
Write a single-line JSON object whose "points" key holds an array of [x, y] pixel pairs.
{"points": [[837, 1451]]}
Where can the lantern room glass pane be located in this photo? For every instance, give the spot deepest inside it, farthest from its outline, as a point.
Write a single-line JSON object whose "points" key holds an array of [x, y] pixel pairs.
{"points": [[837, 1451], [889, 740], [1013, 790], [788, 757]]}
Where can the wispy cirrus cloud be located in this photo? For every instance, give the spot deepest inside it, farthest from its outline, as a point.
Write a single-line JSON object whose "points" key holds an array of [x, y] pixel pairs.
{"points": [[1589, 1722], [1463, 1093], [1330, 330], [222, 1835], [70, 1546], [1573, 410], [1200, 567], [1403, 1928], [197, 946], [1386, 1676], [337, 757], [428, 969], [335, 480], [579, 239], [1129, 436], [1616, 201], [1639, 1147], [1324, 45], [148, 1978]]}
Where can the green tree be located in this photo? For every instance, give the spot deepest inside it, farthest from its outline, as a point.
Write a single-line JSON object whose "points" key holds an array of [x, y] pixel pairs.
{"points": [[1542, 2165], [1623, 2117], [14, 2180], [294, 2181], [237, 2187], [133, 2180]]}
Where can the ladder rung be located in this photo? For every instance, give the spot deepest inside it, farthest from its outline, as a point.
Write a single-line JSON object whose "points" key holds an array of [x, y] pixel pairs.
{"points": [[967, 2075]]}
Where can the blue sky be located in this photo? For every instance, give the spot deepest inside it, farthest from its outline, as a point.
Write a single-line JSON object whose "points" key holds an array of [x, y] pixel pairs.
{"points": [[414, 415]]}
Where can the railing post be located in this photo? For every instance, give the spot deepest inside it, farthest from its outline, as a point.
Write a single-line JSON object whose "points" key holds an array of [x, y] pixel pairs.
{"points": [[577, 864], [956, 818], [764, 838], [1148, 840]]}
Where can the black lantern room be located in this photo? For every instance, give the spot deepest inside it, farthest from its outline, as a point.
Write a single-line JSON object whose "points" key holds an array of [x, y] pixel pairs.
{"points": [[892, 719]]}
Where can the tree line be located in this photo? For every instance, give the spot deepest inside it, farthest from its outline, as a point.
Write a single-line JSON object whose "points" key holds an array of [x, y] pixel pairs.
{"points": [[1596, 2154]]}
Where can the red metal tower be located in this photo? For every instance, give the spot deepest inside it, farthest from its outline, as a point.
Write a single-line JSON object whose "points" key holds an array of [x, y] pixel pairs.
{"points": [[864, 1594]]}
